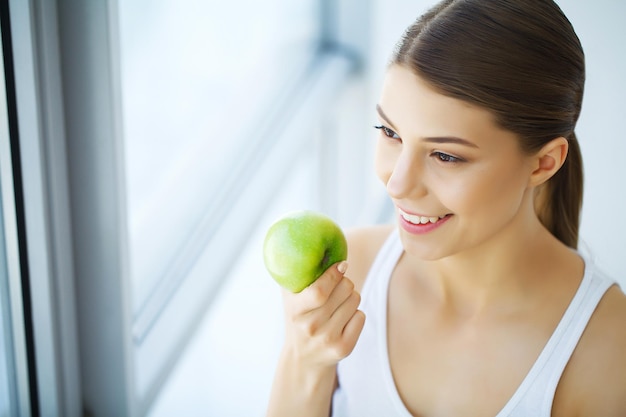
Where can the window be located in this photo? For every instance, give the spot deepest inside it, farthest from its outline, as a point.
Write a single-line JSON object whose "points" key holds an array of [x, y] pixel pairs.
{"points": [[206, 92], [181, 119], [198, 81]]}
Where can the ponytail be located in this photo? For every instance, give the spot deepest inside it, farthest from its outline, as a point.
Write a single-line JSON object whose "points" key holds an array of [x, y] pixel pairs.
{"points": [[559, 201]]}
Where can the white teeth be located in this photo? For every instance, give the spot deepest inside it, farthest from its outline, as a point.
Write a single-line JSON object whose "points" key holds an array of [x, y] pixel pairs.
{"points": [[419, 219]]}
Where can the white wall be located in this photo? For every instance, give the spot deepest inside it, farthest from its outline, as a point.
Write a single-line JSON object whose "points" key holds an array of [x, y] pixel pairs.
{"points": [[600, 27], [600, 128]]}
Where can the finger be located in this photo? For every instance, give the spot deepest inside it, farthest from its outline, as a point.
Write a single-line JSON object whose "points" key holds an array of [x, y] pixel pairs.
{"points": [[343, 343], [318, 293], [340, 294], [343, 314], [352, 331], [315, 320]]}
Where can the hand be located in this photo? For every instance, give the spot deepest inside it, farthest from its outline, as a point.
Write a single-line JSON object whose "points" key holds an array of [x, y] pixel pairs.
{"points": [[322, 321]]}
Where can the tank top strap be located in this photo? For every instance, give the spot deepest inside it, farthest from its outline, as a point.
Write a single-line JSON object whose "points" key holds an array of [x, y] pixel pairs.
{"points": [[536, 393]]}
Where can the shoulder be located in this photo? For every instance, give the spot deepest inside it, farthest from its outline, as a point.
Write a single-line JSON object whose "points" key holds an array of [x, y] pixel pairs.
{"points": [[596, 375], [363, 245]]}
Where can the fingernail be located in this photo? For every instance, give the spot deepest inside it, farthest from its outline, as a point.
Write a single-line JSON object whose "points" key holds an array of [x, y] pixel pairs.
{"points": [[342, 267]]}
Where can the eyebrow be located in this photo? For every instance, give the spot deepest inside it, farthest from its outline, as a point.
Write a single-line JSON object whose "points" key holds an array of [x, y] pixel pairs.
{"points": [[435, 139]]}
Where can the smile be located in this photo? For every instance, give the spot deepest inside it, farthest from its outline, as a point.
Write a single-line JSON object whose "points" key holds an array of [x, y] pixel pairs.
{"points": [[415, 219]]}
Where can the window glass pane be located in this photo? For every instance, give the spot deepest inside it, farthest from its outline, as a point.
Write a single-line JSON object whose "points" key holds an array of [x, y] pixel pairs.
{"points": [[196, 77], [220, 364]]}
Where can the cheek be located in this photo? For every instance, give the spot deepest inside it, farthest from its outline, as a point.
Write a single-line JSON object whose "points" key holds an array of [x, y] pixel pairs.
{"points": [[487, 192], [510, 183]]}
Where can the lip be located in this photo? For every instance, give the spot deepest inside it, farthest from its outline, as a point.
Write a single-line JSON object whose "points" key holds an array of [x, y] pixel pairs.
{"points": [[420, 229]]}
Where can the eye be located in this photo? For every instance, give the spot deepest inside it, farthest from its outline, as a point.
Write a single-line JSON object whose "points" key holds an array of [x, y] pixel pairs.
{"points": [[388, 132], [444, 157]]}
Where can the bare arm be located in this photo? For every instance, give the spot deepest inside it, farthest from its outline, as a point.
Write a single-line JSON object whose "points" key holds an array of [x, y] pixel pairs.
{"points": [[322, 325], [297, 391], [606, 375], [594, 381]]}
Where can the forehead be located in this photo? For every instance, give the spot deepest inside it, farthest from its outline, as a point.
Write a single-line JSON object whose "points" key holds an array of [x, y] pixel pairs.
{"points": [[417, 109]]}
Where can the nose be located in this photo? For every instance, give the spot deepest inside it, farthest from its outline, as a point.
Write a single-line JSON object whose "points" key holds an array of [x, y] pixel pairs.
{"points": [[407, 177]]}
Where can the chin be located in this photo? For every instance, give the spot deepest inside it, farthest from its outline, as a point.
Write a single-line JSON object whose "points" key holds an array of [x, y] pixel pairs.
{"points": [[422, 249]]}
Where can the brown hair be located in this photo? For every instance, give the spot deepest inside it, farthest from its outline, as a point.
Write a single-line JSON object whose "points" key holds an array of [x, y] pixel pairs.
{"points": [[521, 60]]}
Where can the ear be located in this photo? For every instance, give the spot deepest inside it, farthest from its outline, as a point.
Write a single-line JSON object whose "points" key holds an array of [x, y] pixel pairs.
{"points": [[549, 160]]}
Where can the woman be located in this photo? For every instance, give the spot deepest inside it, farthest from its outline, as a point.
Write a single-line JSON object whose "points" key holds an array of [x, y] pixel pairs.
{"points": [[477, 301]]}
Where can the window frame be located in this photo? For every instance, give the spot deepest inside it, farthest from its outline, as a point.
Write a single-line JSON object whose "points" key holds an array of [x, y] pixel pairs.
{"points": [[47, 268], [15, 337]]}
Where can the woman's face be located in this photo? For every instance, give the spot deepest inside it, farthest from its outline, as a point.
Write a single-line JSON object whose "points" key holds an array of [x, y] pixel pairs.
{"points": [[458, 181]]}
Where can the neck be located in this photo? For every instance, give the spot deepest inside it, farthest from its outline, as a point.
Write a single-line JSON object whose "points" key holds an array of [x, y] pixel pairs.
{"points": [[499, 275]]}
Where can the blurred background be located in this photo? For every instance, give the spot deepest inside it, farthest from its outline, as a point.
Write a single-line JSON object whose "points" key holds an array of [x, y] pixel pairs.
{"points": [[146, 146]]}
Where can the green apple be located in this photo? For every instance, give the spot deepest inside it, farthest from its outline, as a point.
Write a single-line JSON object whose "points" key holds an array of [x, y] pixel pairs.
{"points": [[300, 246]]}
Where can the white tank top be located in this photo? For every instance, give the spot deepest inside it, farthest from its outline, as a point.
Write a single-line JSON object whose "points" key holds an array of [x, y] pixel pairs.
{"points": [[366, 385]]}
